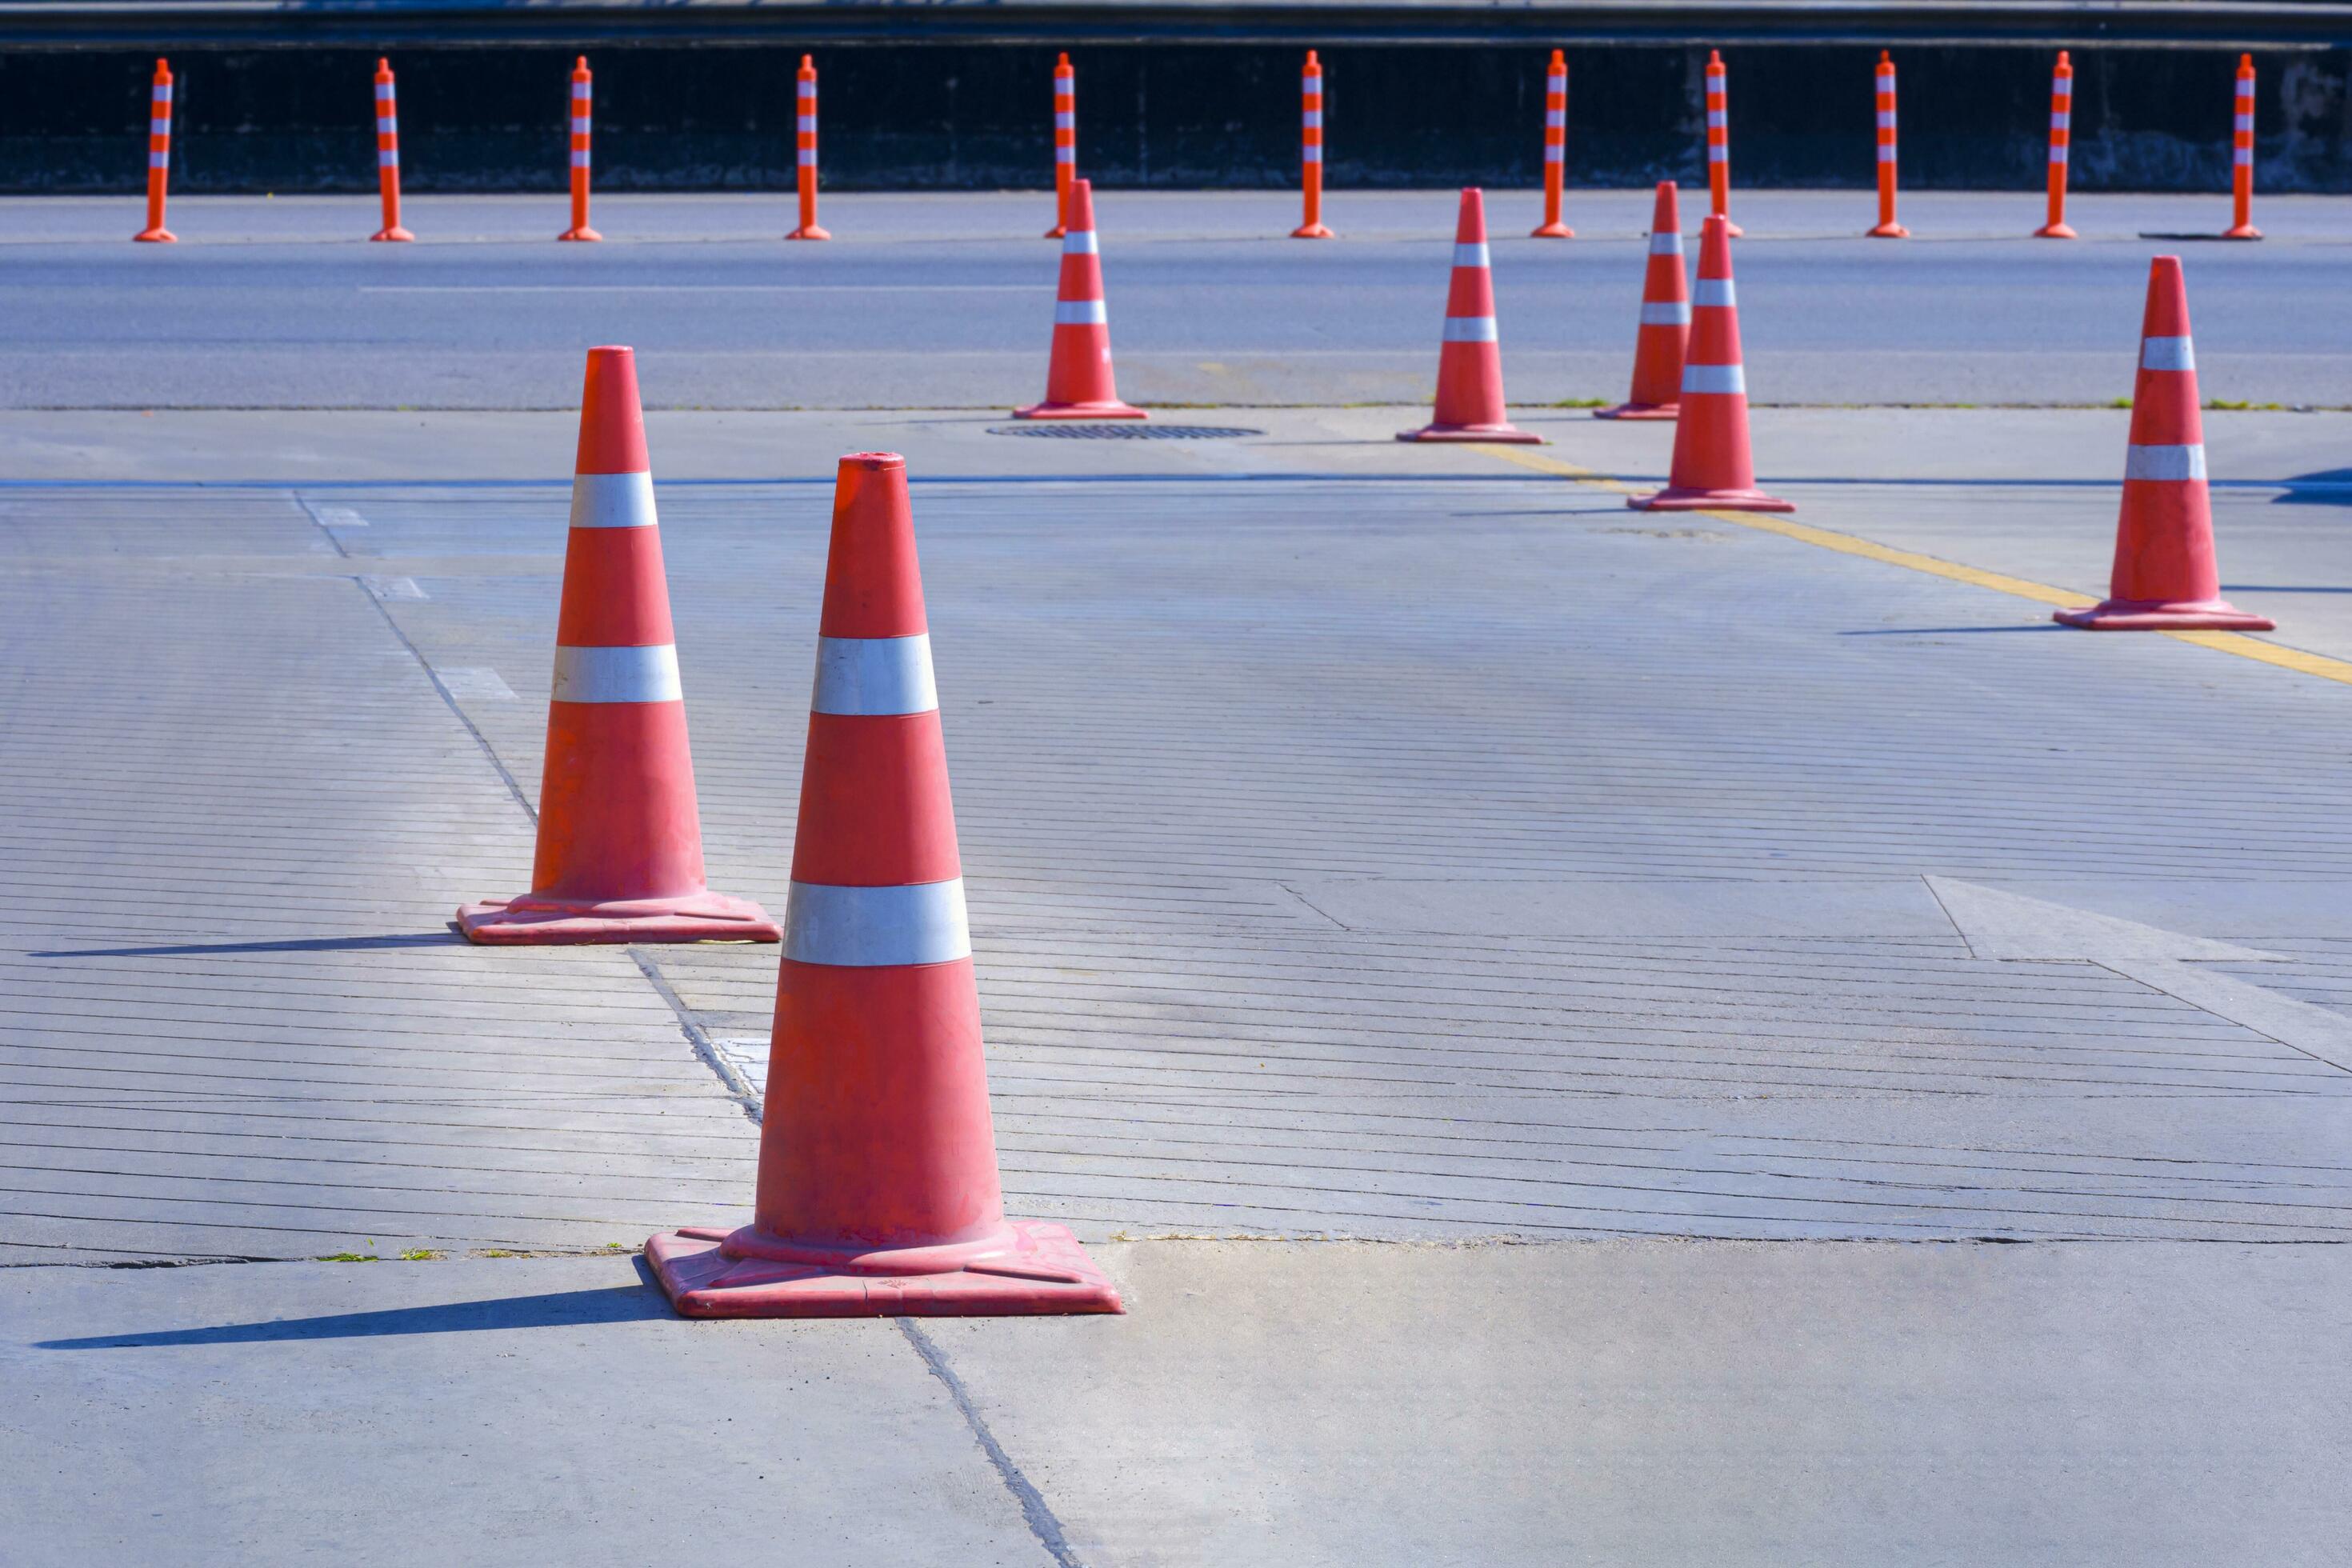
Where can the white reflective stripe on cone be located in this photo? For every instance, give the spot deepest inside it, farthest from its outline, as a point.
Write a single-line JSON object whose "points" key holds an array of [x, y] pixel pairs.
{"points": [[1081, 313], [2164, 462], [1667, 243], [1713, 378], [617, 674], [613, 501], [1080, 242], [1714, 292], [867, 928], [2168, 353], [1667, 313], [874, 676], [1473, 254], [1471, 330]]}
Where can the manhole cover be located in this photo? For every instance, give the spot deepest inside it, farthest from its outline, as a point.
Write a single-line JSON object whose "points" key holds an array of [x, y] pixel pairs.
{"points": [[1125, 431]]}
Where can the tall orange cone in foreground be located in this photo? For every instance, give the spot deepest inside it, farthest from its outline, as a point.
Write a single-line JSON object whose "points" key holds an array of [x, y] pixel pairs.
{"points": [[1712, 469], [1470, 357], [1664, 332], [619, 841], [877, 1192], [1078, 379], [2165, 576]]}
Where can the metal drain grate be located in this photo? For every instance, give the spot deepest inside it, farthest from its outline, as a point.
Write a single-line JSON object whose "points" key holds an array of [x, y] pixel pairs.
{"points": [[1136, 431]]}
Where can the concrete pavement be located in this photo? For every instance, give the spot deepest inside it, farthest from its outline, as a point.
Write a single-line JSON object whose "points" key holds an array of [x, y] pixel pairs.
{"points": [[946, 300]]}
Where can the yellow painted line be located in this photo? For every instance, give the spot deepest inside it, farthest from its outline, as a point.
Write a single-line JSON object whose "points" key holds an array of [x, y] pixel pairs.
{"points": [[2237, 643]]}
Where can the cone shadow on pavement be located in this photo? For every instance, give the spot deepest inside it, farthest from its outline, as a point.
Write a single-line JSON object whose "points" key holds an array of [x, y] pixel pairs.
{"points": [[877, 1192], [620, 836]]}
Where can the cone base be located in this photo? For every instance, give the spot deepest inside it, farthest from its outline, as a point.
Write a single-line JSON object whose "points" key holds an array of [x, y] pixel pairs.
{"points": [[395, 235], [1057, 232], [582, 233], [2055, 231], [1552, 231], [1888, 231], [1510, 435], [2159, 615], [2243, 231], [529, 920], [1080, 410], [1641, 411], [156, 236], [1033, 1269], [1312, 231], [1672, 500], [810, 231]]}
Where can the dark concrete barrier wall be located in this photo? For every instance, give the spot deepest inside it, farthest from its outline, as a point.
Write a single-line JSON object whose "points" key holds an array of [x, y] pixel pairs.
{"points": [[978, 116]]}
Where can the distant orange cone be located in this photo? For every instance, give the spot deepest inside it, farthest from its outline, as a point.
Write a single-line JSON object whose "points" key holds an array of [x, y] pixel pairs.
{"points": [[1078, 379], [1310, 152], [1065, 143], [1664, 332], [620, 840], [879, 1194], [2061, 136], [1712, 469], [2242, 156], [1888, 229], [159, 157], [804, 150], [583, 97], [1470, 404], [2165, 577], [1718, 141]]}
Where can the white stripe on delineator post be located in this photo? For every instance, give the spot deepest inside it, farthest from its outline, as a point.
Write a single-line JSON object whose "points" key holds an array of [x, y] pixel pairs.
{"points": [[617, 674], [1471, 255], [1703, 378], [1081, 313], [1714, 292], [874, 676], [1671, 314], [2168, 353], [2164, 462], [613, 501], [867, 928], [1470, 330], [579, 160], [1080, 242], [1310, 154]]}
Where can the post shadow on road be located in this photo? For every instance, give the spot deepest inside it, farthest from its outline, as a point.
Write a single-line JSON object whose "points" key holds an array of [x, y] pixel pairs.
{"points": [[552, 1309], [296, 945], [2328, 487]]}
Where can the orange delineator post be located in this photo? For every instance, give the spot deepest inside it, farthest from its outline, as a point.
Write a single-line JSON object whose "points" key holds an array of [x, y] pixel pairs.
{"points": [[1887, 227], [159, 157], [804, 150], [387, 154], [2242, 157], [1310, 150], [1718, 141], [1065, 143], [2061, 120], [1555, 149], [580, 99]]}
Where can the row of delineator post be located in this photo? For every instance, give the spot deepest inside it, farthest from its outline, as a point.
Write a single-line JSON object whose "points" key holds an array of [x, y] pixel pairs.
{"points": [[1311, 224]]}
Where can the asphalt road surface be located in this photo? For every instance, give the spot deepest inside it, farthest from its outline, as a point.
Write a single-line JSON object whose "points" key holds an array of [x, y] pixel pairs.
{"points": [[946, 301]]}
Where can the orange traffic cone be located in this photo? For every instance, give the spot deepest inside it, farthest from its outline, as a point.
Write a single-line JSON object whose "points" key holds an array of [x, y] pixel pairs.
{"points": [[619, 841], [1712, 469], [1470, 357], [1078, 379], [877, 1192], [1664, 332], [2165, 576]]}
